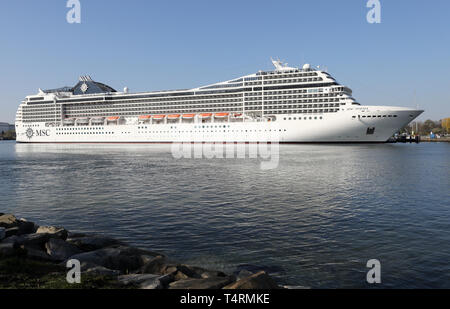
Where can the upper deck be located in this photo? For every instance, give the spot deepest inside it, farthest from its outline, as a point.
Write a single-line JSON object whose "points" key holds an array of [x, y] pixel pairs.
{"points": [[284, 90]]}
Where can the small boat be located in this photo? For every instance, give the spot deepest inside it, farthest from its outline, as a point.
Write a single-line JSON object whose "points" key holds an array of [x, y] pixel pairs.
{"points": [[205, 115], [188, 116], [69, 121], [158, 117], [221, 115], [82, 120], [114, 118], [172, 117], [237, 115], [98, 120], [144, 117]]}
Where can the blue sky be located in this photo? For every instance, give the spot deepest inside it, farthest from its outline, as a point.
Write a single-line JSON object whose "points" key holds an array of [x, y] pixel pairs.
{"points": [[149, 45]]}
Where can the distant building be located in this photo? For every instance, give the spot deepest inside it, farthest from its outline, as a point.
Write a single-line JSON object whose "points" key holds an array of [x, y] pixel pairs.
{"points": [[5, 127]]}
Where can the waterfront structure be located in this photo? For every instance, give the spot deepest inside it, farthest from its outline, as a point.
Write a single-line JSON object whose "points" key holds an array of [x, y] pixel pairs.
{"points": [[5, 127], [287, 104]]}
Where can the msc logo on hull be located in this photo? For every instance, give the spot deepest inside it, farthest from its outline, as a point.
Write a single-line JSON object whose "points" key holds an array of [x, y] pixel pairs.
{"points": [[30, 133]]}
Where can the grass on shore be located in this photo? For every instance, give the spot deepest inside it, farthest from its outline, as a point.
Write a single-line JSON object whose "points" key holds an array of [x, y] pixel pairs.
{"points": [[22, 273]]}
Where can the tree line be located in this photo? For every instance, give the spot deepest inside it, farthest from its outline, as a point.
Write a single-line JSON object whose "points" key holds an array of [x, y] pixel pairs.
{"points": [[428, 126], [8, 135]]}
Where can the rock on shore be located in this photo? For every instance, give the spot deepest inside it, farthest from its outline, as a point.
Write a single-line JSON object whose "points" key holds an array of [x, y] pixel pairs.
{"points": [[2, 233], [126, 266], [260, 280]]}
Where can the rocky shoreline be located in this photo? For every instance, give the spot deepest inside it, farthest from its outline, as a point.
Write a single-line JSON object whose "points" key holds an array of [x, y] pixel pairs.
{"points": [[33, 256]]}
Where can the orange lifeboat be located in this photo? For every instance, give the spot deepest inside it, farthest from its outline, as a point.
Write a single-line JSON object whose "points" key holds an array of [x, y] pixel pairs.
{"points": [[144, 117], [205, 115], [188, 116], [158, 117], [172, 117], [221, 115], [237, 115], [114, 118]]}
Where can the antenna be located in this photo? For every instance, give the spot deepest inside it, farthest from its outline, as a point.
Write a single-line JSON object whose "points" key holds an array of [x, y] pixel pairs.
{"points": [[417, 107], [415, 99]]}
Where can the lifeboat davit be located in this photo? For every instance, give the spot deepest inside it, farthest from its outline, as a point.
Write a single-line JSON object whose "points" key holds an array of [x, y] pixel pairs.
{"points": [[221, 115], [172, 117], [188, 116], [205, 115], [114, 118]]}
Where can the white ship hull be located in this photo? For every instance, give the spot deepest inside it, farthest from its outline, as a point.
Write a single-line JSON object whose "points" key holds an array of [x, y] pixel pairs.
{"points": [[345, 126]]}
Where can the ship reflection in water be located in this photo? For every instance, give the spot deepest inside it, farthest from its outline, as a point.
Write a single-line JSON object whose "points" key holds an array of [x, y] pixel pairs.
{"points": [[314, 221]]}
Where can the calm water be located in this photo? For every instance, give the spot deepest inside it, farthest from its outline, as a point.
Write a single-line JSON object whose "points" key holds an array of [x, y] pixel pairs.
{"points": [[314, 221]]}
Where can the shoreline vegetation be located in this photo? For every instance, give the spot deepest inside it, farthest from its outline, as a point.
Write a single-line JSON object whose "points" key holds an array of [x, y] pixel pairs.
{"points": [[35, 257], [425, 128], [8, 135]]}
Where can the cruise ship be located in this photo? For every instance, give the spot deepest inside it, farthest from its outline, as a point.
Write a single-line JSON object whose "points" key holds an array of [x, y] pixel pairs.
{"points": [[287, 105]]}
